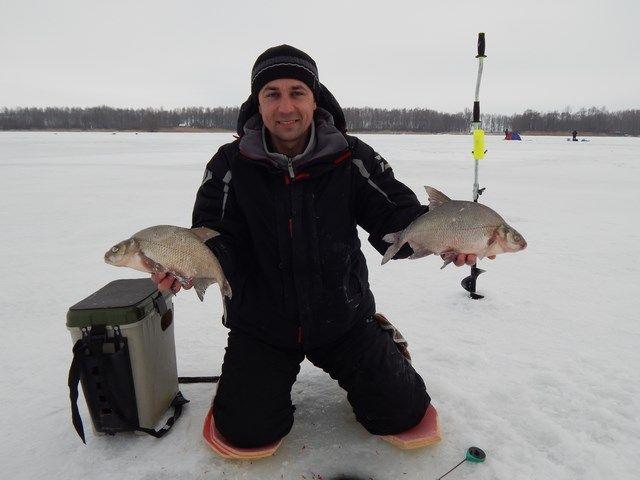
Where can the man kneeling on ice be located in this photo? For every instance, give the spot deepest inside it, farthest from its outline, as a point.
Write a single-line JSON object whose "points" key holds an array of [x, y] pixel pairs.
{"points": [[287, 197]]}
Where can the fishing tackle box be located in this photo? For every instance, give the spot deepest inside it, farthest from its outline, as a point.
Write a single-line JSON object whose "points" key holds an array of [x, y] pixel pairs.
{"points": [[124, 358]]}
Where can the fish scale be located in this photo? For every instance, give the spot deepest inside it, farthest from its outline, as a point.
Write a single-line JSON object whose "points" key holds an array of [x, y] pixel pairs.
{"points": [[178, 259], [450, 227], [455, 226], [182, 256], [175, 250], [178, 251]]}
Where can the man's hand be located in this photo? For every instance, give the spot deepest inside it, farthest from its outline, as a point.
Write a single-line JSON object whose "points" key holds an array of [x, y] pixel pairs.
{"points": [[463, 258], [167, 282]]}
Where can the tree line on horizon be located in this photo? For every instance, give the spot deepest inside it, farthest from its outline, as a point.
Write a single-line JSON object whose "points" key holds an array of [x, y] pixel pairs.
{"points": [[593, 120]]}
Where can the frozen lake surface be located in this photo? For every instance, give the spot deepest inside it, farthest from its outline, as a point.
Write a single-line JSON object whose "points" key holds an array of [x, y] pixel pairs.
{"points": [[542, 374]]}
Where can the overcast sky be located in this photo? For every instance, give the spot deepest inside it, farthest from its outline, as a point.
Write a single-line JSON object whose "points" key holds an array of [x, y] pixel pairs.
{"points": [[545, 55]]}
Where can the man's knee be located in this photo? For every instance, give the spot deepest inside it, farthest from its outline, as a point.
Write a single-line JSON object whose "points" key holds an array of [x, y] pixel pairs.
{"points": [[253, 406], [245, 428], [390, 407], [403, 413]]}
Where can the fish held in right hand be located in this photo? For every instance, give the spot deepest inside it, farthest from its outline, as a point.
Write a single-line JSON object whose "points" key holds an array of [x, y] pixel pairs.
{"points": [[452, 227]]}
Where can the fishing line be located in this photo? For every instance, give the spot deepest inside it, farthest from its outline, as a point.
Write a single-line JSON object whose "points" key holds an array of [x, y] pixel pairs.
{"points": [[474, 455]]}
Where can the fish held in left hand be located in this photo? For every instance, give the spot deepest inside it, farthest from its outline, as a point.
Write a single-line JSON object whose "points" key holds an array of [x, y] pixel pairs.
{"points": [[175, 250], [452, 227]]}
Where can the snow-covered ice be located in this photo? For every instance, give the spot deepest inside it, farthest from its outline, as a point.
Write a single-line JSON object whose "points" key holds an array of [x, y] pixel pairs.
{"points": [[542, 374]]}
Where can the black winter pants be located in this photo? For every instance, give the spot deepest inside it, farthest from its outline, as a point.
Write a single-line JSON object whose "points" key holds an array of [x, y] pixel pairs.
{"points": [[253, 405]]}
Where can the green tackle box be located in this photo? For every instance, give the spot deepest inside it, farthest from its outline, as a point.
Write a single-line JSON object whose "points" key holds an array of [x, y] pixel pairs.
{"points": [[124, 356]]}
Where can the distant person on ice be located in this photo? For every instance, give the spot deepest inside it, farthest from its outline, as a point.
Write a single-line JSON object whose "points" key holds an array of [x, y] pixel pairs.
{"points": [[287, 197], [574, 135], [511, 135]]}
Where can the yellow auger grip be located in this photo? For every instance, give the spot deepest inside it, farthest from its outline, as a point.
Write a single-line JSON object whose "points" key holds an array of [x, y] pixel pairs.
{"points": [[478, 144]]}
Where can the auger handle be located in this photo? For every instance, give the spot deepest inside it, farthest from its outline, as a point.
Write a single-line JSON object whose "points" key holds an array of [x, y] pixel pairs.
{"points": [[480, 46]]}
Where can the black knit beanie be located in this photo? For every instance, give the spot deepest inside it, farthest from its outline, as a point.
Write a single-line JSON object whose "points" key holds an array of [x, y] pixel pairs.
{"points": [[283, 61]]}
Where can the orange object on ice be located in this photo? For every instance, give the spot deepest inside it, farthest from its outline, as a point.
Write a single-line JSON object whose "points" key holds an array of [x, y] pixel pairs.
{"points": [[223, 448], [427, 432]]}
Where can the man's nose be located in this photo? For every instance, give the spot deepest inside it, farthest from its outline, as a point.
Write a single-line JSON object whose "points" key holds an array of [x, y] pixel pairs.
{"points": [[285, 105]]}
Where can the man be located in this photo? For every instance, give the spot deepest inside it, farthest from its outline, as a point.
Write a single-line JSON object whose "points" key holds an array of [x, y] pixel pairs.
{"points": [[287, 197]]}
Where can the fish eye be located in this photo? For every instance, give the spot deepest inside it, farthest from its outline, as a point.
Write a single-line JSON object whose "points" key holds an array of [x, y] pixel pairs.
{"points": [[114, 249], [516, 237]]}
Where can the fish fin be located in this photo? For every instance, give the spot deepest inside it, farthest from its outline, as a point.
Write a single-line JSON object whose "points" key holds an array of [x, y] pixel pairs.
{"points": [[392, 237], [200, 285], [417, 253], [493, 238], [204, 233], [225, 289], [493, 245], [436, 197], [450, 256], [396, 241], [446, 262], [151, 265]]}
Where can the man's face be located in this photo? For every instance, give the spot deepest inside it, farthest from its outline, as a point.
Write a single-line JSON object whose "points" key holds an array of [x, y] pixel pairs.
{"points": [[286, 106]]}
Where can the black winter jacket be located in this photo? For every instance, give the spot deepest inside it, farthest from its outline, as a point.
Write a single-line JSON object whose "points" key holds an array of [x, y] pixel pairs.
{"points": [[289, 244]]}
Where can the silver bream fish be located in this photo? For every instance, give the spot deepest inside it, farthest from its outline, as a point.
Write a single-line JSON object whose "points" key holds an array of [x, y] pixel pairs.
{"points": [[175, 250], [451, 227]]}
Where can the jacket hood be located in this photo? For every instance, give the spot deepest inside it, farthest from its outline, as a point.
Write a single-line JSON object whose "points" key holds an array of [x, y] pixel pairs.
{"points": [[325, 142]]}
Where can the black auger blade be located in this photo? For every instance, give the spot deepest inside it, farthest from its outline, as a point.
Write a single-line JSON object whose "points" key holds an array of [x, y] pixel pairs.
{"points": [[469, 283]]}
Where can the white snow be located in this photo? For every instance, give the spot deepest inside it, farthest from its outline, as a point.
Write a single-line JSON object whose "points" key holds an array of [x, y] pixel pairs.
{"points": [[542, 374]]}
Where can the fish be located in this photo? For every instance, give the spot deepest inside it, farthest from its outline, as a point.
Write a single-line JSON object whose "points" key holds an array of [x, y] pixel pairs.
{"points": [[451, 227], [175, 250]]}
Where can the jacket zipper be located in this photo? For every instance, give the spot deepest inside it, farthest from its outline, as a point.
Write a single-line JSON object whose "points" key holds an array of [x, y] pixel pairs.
{"points": [[292, 175], [290, 167]]}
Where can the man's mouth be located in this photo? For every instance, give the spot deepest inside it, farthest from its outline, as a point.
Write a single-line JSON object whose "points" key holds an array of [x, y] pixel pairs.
{"points": [[287, 123]]}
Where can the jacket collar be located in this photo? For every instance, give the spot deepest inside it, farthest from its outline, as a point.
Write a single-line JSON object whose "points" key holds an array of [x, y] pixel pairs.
{"points": [[281, 158], [325, 142]]}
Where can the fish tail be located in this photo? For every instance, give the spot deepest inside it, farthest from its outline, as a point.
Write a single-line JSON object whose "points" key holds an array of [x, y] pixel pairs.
{"points": [[225, 288], [396, 241], [200, 285]]}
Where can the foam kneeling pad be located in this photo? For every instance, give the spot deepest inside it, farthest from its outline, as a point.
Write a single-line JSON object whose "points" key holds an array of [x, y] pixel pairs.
{"points": [[427, 432], [223, 448]]}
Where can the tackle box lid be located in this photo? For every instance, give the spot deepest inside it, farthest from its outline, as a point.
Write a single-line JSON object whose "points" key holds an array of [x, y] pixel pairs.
{"points": [[120, 302]]}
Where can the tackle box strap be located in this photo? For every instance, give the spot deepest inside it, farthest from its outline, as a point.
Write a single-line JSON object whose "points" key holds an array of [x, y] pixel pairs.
{"points": [[177, 403], [199, 379], [93, 343]]}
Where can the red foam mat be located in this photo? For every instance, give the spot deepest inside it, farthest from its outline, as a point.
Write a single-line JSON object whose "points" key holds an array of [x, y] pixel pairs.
{"points": [[427, 432], [223, 448]]}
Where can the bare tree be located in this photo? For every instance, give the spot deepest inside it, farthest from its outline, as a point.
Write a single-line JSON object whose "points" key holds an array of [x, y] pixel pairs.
{"points": [[591, 120]]}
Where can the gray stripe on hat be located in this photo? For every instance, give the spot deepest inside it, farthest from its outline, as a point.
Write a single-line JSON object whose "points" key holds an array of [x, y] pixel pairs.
{"points": [[285, 60]]}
